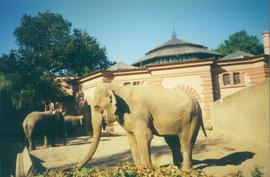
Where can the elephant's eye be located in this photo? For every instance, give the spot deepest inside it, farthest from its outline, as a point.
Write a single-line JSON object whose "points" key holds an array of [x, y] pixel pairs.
{"points": [[97, 107]]}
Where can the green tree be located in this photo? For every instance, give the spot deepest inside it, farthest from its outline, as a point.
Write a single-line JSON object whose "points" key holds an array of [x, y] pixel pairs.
{"points": [[41, 40], [241, 41], [47, 49], [84, 54]]}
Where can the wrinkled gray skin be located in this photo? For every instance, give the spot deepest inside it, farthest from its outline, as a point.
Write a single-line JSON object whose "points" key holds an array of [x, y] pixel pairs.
{"points": [[48, 124], [144, 111], [73, 122]]}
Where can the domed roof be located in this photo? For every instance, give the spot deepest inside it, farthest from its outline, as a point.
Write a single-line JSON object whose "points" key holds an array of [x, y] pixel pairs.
{"points": [[176, 47], [172, 42]]}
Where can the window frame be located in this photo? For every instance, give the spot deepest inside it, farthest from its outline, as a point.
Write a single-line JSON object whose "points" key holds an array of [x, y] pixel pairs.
{"points": [[239, 77], [228, 82], [232, 84]]}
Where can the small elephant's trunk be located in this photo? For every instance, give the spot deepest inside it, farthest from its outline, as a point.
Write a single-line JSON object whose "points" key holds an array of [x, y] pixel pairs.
{"points": [[97, 124]]}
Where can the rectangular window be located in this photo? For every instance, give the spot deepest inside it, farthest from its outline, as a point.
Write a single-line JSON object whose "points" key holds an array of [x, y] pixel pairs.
{"points": [[136, 83], [126, 83], [236, 78], [226, 79]]}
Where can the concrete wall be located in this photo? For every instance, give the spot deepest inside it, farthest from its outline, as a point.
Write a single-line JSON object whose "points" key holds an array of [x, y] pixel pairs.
{"points": [[245, 114], [24, 164]]}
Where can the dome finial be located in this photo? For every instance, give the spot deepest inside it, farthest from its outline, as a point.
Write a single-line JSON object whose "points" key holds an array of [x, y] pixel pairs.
{"points": [[173, 33]]}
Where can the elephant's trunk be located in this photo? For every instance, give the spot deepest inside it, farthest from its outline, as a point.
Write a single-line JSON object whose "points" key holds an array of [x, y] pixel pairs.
{"points": [[97, 124]]}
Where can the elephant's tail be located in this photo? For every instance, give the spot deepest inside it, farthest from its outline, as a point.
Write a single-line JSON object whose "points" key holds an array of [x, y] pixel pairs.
{"points": [[201, 120], [203, 129]]}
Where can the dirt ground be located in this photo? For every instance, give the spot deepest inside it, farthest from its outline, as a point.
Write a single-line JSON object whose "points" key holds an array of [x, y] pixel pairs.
{"points": [[220, 155]]}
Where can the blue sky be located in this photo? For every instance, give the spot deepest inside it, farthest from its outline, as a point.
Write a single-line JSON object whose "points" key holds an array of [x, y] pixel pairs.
{"points": [[130, 28]]}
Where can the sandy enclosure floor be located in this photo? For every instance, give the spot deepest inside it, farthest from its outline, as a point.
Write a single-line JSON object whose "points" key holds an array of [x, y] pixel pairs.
{"points": [[221, 155]]}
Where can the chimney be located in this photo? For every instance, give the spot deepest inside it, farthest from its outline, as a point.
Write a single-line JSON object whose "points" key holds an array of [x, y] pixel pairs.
{"points": [[265, 36]]}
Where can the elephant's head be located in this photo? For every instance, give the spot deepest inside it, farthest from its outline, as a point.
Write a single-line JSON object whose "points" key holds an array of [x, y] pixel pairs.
{"points": [[103, 111]]}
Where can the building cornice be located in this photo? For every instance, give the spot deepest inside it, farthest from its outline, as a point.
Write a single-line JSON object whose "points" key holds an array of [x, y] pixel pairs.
{"points": [[108, 74], [180, 65], [241, 61]]}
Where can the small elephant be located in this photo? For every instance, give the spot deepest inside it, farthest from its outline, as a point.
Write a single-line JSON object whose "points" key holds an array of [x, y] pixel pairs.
{"points": [[144, 111], [47, 123], [72, 123]]}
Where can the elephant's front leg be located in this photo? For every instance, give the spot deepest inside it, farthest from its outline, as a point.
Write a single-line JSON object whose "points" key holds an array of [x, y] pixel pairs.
{"points": [[143, 137], [31, 144], [30, 140], [134, 149]]}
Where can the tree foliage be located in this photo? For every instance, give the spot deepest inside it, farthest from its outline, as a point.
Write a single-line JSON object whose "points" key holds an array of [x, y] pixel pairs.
{"points": [[241, 41], [84, 54], [47, 49]]}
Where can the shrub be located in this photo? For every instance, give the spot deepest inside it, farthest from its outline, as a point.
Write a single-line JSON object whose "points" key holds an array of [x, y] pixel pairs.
{"points": [[256, 172]]}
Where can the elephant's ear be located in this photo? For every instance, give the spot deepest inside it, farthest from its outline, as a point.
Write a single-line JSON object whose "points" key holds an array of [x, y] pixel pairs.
{"points": [[112, 101]]}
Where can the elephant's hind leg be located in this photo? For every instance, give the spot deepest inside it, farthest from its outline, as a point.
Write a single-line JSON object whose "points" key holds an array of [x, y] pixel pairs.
{"points": [[186, 149], [187, 139], [174, 144]]}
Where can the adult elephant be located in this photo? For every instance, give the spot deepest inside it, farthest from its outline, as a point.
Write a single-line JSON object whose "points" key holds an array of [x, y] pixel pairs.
{"points": [[144, 111], [48, 124]]}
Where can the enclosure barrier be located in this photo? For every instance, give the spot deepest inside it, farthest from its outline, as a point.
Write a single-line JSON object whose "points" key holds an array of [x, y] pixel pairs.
{"points": [[24, 164]]}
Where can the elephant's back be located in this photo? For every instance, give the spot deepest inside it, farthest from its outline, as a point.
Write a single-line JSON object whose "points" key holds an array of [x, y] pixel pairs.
{"points": [[164, 94], [35, 117]]}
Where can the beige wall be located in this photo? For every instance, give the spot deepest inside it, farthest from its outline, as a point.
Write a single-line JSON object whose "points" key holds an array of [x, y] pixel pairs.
{"points": [[88, 87], [229, 91], [192, 81], [245, 114]]}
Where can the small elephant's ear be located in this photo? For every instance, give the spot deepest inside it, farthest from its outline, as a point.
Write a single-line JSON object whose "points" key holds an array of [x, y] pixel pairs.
{"points": [[112, 101]]}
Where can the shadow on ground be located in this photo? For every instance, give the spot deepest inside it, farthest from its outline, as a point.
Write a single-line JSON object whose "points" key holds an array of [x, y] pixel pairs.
{"points": [[82, 140], [235, 159], [37, 164]]}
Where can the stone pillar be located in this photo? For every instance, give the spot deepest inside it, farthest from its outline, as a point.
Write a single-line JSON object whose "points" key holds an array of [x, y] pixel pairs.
{"points": [[207, 98], [265, 36]]}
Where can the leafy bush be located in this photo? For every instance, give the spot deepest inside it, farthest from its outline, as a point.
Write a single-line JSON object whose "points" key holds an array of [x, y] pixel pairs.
{"points": [[257, 172], [128, 170], [125, 170]]}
